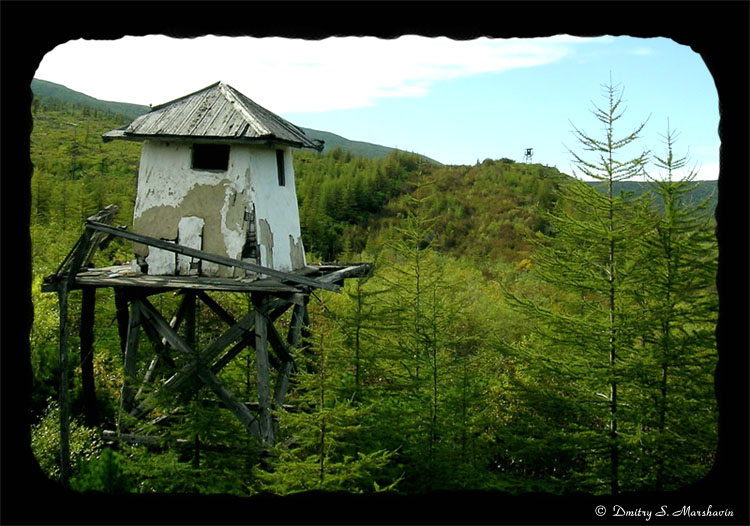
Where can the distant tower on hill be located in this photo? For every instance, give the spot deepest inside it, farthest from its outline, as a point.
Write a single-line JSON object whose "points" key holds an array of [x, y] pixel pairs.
{"points": [[528, 155]]}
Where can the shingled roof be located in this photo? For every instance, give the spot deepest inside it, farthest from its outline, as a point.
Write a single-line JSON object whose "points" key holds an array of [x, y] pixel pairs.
{"points": [[218, 113]]}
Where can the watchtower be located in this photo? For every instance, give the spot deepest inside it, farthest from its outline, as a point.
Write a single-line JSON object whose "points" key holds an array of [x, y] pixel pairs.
{"points": [[216, 174], [528, 155], [215, 211]]}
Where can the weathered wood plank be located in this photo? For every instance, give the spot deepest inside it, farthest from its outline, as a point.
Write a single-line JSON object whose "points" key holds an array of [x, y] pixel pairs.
{"points": [[164, 329], [247, 339], [99, 239], [262, 365], [278, 345], [180, 249], [177, 380], [347, 272], [63, 394], [153, 441], [293, 339], [237, 408], [131, 356], [88, 301], [218, 309], [121, 308], [159, 345], [69, 273]]}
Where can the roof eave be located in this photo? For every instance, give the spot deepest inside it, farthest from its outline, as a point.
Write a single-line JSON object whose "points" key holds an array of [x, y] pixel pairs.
{"points": [[120, 134]]}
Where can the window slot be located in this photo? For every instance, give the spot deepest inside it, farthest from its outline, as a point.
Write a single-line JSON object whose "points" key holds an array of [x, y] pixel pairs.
{"points": [[280, 167], [211, 157]]}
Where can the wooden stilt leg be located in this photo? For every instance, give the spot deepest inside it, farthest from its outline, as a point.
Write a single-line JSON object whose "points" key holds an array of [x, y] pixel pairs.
{"points": [[293, 339], [121, 306], [63, 394], [87, 356], [131, 356], [190, 341], [262, 364]]}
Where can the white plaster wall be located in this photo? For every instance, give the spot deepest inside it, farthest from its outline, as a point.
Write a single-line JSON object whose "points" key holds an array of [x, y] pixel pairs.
{"points": [[275, 204], [165, 180], [165, 176]]}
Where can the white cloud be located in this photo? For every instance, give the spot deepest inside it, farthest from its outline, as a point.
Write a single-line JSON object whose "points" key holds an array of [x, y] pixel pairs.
{"points": [[287, 75], [642, 51]]}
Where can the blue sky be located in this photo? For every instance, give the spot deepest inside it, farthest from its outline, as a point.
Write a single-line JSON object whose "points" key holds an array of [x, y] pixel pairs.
{"points": [[454, 101]]}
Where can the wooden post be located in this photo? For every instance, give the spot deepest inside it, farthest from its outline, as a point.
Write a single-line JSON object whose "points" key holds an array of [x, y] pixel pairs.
{"points": [[191, 342], [293, 338], [260, 302], [121, 306], [88, 302], [63, 394], [131, 357]]}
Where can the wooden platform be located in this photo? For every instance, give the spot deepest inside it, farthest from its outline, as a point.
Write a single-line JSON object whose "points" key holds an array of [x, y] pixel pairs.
{"points": [[125, 276]]}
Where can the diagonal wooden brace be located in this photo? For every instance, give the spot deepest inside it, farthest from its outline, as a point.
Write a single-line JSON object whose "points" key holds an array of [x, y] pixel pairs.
{"points": [[191, 369], [188, 371]]}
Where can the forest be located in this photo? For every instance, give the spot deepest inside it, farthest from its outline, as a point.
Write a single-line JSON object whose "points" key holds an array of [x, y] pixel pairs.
{"points": [[522, 331]]}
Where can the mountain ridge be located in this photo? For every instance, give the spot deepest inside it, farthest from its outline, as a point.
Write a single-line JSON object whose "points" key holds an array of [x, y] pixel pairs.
{"points": [[44, 89]]}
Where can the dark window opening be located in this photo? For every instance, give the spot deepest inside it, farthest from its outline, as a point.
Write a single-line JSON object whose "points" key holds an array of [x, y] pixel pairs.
{"points": [[280, 167], [211, 157]]}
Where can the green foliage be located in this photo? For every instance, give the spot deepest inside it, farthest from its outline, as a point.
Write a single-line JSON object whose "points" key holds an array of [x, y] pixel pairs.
{"points": [[590, 374], [45, 442], [423, 376], [105, 474], [319, 443]]}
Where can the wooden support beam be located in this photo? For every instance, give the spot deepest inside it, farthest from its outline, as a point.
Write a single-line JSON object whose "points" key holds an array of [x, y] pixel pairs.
{"points": [[159, 345], [277, 343], [131, 359], [350, 271], [105, 216], [207, 256], [293, 339], [176, 381], [261, 361], [237, 408], [218, 309], [247, 339], [63, 394], [65, 277], [277, 308], [152, 316], [152, 441], [88, 302], [121, 307]]}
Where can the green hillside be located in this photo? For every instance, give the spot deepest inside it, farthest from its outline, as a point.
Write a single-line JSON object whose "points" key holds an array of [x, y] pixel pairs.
{"points": [[704, 191], [50, 92], [358, 148]]}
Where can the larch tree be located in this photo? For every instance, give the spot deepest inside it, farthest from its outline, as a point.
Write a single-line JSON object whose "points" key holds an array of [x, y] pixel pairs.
{"points": [[584, 348], [682, 305]]}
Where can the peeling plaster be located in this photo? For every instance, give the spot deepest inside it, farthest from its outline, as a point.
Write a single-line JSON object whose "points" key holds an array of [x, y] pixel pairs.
{"points": [[161, 262], [170, 191], [266, 243], [190, 235], [296, 252]]}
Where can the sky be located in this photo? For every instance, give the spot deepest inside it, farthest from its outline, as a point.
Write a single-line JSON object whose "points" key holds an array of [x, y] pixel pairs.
{"points": [[457, 102]]}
